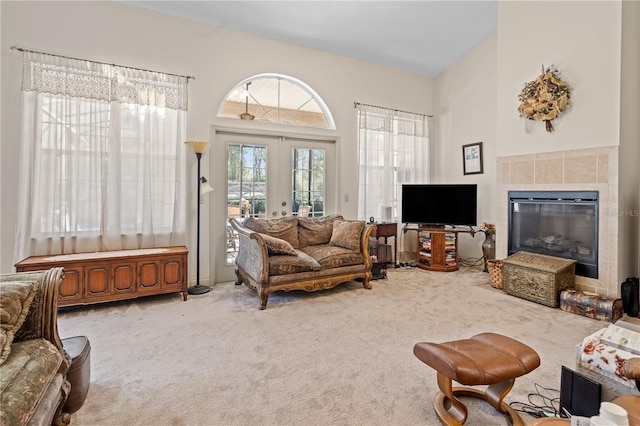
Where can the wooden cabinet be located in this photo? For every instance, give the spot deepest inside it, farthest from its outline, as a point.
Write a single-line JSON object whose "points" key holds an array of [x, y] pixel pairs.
{"points": [[115, 275], [437, 250], [386, 230]]}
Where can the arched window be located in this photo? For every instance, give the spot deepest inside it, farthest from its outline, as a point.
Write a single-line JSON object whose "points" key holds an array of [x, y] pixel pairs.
{"points": [[276, 98]]}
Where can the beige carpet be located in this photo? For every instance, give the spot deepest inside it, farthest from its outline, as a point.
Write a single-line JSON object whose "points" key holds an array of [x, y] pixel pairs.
{"points": [[338, 357]]}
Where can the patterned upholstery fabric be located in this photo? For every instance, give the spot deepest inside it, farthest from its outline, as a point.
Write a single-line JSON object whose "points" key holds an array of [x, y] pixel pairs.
{"points": [[315, 230], [15, 300], [276, 280], [278, 246], [283, 265], [34, 364], [285, 228], [347, 234], [329, 256], [32, 327]]}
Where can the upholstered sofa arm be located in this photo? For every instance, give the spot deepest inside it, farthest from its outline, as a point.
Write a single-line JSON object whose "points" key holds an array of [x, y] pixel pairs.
{"points": [[42, 319], [252, 256]]}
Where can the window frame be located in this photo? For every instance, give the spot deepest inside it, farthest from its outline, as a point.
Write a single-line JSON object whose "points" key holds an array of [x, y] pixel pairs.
{"points": [[302, 85]]}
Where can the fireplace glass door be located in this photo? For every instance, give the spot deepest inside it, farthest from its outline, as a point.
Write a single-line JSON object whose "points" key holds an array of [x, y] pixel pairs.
{"points": [[561, 224]]}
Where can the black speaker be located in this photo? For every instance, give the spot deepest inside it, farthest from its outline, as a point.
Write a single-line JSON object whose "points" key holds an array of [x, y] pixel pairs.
{"points": [[579, 395]]}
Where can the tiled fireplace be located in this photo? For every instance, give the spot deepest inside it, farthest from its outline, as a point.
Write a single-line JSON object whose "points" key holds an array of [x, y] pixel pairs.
{"points": [[590, 170], [556, 223]]}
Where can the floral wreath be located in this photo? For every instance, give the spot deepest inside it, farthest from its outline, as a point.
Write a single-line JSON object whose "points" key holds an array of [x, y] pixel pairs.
{"points": [[544, 98]]}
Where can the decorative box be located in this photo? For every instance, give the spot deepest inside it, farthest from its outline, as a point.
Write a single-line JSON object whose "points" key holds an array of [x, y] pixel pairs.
{"points": [[537, 277], [591, 305]]}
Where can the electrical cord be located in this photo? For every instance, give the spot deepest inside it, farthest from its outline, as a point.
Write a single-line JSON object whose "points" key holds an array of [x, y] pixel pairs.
{"points": [[540, 405], [470, 261], [407, 265]]}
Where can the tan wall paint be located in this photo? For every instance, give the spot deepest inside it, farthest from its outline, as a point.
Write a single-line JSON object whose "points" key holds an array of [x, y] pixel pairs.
{"points": [[219, 58], [629, 183], [465, 109], [582, 38]]}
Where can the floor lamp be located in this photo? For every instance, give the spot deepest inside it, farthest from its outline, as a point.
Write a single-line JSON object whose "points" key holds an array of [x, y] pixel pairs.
{"points": [[199, 148]]}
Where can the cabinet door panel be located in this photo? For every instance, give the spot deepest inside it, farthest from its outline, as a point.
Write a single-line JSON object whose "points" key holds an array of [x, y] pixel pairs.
{"points": [[71, 286], [124, 278], [172, 272], [96, 281], [148, 275]]}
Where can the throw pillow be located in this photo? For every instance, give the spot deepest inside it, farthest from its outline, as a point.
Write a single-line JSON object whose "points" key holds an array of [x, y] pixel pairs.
{"points": [[278, 246], [347, 234], [315, 230], [285, 228], [15, 300]]}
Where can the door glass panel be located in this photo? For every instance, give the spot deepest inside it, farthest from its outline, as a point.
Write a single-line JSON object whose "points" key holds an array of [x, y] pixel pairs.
{"points": [[308, 182], [246, 188], [274, 177]]}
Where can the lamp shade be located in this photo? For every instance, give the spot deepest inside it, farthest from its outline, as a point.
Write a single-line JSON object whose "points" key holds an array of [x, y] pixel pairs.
{"points": [[198, 147], [205, 186]]}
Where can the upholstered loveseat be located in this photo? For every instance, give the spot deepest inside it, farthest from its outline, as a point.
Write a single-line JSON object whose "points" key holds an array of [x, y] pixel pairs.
{"points": [[33, 363], [303, 253]]}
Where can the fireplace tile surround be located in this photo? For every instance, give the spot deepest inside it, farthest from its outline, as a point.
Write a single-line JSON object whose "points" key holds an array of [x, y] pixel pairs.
{"points": [[592, 169]]}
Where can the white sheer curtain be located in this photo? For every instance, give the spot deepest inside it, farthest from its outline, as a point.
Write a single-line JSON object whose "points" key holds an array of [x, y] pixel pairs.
{"points": [[393, 148], [102, 159]]}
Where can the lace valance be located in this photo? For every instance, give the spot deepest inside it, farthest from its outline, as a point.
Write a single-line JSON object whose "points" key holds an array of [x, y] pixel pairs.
{"points": [[392, 121], [62, 76]]}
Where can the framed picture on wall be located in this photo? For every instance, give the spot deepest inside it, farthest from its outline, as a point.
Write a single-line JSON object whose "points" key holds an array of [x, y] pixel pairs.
{"points": [[472, 158]]}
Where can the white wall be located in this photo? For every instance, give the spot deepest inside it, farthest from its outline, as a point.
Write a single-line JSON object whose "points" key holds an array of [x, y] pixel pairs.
{"points": [[218, 58], [629, 141], [582, 39], [465, 109]]}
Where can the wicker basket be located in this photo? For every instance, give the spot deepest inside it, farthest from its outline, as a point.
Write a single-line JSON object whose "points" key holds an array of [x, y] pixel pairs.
{"points": [[495, 273]]}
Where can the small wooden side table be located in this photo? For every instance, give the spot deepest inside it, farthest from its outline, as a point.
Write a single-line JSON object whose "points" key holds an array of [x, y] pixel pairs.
{"points": [[386, 230]]}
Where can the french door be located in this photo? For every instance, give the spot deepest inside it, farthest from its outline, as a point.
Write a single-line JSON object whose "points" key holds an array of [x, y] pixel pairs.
{"points": [[270, 177]]}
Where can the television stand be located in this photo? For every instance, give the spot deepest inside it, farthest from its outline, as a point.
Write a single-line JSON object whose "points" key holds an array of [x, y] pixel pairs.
{"points": [[437, 247], [432, 227]]}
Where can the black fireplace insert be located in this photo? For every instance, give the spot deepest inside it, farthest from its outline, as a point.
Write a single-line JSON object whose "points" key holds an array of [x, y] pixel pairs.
{"points": [[556, 223]]}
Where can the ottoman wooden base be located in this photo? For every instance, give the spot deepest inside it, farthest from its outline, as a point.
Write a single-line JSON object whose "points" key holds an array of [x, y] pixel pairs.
{"points": [[452, 412], [79, 374]]}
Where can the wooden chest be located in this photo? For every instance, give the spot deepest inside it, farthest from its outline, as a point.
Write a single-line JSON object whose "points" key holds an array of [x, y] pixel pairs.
{"points": [[538, 278], [591, 305], [115, 275]]}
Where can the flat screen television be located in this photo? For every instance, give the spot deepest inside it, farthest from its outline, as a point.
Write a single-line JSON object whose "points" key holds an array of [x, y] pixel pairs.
{"points": [[440, 204]]}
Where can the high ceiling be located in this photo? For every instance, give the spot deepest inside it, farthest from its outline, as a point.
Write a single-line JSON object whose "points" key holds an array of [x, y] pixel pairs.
{"points": [[424, 37]]}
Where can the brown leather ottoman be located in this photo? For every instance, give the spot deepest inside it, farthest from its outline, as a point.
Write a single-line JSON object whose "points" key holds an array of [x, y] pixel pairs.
{"points": [[484, 359], [79, 374]]}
